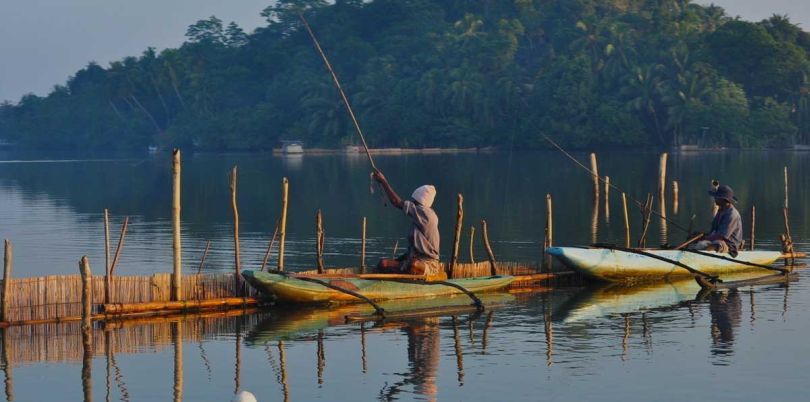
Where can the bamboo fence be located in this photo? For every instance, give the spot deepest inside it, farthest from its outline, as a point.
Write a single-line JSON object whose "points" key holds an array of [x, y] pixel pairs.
{"points": [[59, 296]]}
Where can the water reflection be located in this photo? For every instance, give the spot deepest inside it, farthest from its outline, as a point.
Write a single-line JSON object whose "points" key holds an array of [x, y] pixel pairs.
{"points": [[423, 360], [726, 314]]}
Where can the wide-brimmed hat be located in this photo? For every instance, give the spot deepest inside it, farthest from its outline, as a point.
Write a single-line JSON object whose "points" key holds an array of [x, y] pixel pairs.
{"points": [[724, 192]]}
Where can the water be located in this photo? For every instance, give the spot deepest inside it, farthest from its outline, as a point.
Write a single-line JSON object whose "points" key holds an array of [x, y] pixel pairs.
{"points": [[591, 343]]}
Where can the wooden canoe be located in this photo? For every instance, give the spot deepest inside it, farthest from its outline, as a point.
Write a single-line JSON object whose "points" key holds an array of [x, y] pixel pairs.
{"points": [[287, 288], [621, 266]]}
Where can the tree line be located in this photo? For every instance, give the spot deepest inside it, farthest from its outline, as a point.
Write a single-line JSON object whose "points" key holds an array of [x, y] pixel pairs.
{"points": [[440, 73]]}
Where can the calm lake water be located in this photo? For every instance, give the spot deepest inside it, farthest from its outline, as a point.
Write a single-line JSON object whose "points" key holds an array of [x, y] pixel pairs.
{"points": [[584, 343]]}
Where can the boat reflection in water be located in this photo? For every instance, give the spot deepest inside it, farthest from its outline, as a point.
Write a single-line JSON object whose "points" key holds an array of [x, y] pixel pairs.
{"points": [[625, 302], [423, 337]]}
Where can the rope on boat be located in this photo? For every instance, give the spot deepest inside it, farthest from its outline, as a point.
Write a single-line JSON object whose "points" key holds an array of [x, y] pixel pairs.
{"points": [[476, 301], [741, 262], [378, 310]]}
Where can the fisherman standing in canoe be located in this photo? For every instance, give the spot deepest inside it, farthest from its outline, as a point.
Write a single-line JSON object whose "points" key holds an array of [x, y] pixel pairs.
{"points": [[726, 233], [422, 257]]}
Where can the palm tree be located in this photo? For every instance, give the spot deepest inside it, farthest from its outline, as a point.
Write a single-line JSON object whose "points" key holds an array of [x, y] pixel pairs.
{"points": [[643, 90]]}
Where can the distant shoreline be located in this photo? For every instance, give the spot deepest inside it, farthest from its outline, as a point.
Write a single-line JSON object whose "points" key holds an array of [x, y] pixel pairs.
{"points": [[383, 151]]}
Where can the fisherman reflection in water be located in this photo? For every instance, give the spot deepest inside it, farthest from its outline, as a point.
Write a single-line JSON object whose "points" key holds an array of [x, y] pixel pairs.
{"points": [[422, 257], [424, 352], [726, 232], [726, 311]]}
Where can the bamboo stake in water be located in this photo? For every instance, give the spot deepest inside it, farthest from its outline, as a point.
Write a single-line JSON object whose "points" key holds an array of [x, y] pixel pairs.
{"points": [[626, 222], [176, 287], [285, 187], [472, 240], [675, 197], [236, 248], [786, 192], [8, 258], [607, 199], [753, 225], [595, 176], [205, 254], [363, 248], [662, 176], [120, 246], [269, 247], [457, 235], [87, 291], [549, 238], [107, 278], [490, 255], [396, 247], [319, 241]]}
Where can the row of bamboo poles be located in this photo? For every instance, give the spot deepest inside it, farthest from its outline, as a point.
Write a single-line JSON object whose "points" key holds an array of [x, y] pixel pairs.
{"points": [[647, 210]]}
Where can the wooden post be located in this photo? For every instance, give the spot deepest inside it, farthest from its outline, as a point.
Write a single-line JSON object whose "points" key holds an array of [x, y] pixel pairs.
{"points": [[177, 248], [662, 176], [457, 235], [472, 240], [490, 255], [786, 192], [363, 248], [87, 291], [119, 247], [319, 241], [8, 259], [549, 235], [753, 225], [87, 330], [595, 221], [205, 254], [107, 278], [626, 222], [595, 176], [646, 210], [675, 198], [269, 248], [236, 249], [607, 199], [285, 187]]}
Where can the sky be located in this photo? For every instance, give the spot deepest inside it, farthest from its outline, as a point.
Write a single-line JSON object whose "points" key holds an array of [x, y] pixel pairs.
{"points": [[43, 42]]}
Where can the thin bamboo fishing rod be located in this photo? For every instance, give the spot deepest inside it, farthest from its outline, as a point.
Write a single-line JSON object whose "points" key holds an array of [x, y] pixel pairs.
{"points": [[608, 183], [340, 89]]}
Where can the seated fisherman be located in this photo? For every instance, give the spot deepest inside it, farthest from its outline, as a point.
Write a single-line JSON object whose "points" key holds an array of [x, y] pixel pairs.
{"points": [[422, 257], [726, 233]]}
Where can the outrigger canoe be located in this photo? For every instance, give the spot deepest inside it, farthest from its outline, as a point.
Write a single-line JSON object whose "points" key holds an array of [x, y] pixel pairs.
{"points": [[288, 288], [621, 266]]}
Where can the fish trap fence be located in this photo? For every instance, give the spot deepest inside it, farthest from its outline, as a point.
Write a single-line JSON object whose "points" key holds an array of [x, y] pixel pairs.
{"points": [[59, 296]]}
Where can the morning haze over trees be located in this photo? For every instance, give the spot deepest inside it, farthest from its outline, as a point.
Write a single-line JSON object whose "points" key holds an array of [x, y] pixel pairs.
{"points": [[428, 73]]}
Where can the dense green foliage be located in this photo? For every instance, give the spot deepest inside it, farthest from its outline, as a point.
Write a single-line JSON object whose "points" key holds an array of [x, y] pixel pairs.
{"points": [[425, 73]]}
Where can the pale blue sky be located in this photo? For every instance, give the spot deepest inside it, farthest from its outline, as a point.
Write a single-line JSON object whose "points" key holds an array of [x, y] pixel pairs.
{"points": [[42, 42]]}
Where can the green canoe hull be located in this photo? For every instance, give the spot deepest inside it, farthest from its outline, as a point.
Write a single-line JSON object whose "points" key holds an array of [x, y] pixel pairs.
{"points": [[290, 289]]}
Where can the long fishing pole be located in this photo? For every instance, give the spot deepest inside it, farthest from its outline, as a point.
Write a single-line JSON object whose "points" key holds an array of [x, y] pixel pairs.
{"points": [[610, 184], [340, 89]]}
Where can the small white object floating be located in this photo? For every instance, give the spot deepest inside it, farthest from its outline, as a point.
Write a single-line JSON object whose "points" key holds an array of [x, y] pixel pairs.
{"points": [[244, 396]]}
